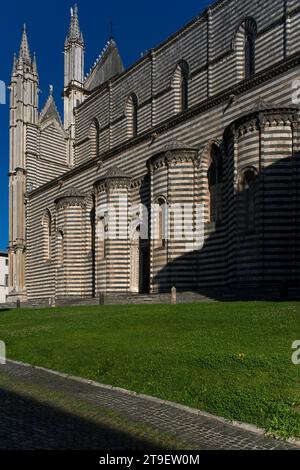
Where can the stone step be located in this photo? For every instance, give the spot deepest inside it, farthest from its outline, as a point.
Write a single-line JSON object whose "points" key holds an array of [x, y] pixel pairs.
{"points": [[208, 295]]}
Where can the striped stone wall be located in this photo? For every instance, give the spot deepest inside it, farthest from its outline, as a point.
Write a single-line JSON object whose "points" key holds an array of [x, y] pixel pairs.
{"points": [[134, 159], [46, 156], [217, 99], [112, 236], [209, 46], [264, 143]]}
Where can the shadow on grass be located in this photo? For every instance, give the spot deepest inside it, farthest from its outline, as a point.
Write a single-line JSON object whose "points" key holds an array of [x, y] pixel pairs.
{"points": [[26, 424]]}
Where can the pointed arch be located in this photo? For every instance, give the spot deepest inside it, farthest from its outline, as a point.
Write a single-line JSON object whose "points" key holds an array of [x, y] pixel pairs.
{"points": [[215, 184], [101, 229], [244, 46], [131, 113], [47, 234], [211, 181], [94, 136], [180, 86], [135, 253], [247, 184], [60, 247], [161, 222]]}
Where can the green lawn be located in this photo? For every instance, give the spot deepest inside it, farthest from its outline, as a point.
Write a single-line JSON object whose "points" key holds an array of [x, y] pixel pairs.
{"points": [[231, 359]]}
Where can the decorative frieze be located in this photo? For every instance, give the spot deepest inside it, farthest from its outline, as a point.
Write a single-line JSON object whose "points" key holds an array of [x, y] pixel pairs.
{"points": [[71, 197], [114, 178]]}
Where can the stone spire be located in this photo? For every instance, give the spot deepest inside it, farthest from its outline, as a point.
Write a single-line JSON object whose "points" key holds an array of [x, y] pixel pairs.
{"points": [[24, 96], [24, 54], [73, 77], [75, 35]]}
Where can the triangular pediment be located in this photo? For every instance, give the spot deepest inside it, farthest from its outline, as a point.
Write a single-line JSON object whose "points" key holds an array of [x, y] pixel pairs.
{"points": [[50, 112]]}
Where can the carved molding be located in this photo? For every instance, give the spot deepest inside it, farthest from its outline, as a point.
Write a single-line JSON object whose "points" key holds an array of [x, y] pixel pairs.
{"points": [[260, 119], [71, 197], [114, 178], [172, 158]]}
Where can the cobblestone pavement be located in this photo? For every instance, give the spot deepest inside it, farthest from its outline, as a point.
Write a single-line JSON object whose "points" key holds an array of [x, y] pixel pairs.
{"points": [[28, 424]]}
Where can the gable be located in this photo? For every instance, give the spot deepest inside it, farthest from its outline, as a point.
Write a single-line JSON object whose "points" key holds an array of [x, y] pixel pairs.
{"points": [[108, 66]]}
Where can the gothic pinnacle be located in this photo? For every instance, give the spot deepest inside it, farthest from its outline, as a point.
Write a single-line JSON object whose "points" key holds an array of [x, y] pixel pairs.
{"points": [[15, 61], [24, 54], [34, 64], [74, 30]]}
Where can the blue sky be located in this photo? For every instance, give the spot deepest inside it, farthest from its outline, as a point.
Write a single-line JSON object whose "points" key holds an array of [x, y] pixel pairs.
{"points": [[138, 26]]}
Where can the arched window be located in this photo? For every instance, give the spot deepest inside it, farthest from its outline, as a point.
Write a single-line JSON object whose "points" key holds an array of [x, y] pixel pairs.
{"points": [[248, 195], [94, 135], [47, 232], [60, 248], [245, 48], [181, 86], [131, 112], [161, 223], [135, 260], [215, 184], [101, 239], [249, 56]]}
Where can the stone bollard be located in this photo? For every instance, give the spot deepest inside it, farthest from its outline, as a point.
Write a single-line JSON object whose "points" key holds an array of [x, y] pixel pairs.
{"points": [[173, 296], [102, 299]]}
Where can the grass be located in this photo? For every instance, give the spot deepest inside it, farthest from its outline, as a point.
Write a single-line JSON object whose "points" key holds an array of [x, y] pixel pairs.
{"points": [[231, 359]]}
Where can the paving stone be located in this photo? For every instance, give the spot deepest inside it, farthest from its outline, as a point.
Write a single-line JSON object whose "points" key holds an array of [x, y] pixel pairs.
{"points": [[32, 426]]}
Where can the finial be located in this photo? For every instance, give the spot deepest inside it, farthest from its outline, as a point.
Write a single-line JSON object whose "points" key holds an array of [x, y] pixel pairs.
{"points": [[51, 90], [15, 62], [34, 65]]}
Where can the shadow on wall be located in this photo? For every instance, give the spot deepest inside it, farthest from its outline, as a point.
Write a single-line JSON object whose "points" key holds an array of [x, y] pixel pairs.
{"points": [[253, 251]]}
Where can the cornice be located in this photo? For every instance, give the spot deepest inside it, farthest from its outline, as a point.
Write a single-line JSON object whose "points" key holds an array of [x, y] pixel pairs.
{"points": [[172, 157], [106, 184], [71, 197], [260, 118], [69, 202]]}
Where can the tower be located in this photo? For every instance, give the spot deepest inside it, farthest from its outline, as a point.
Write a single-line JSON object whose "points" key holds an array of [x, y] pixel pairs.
{"points": [[23, 114], [74, 77]]}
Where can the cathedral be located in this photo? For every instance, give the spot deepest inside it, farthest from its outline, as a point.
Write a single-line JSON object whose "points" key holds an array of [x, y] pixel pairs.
{"points": [[179, 171]]}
